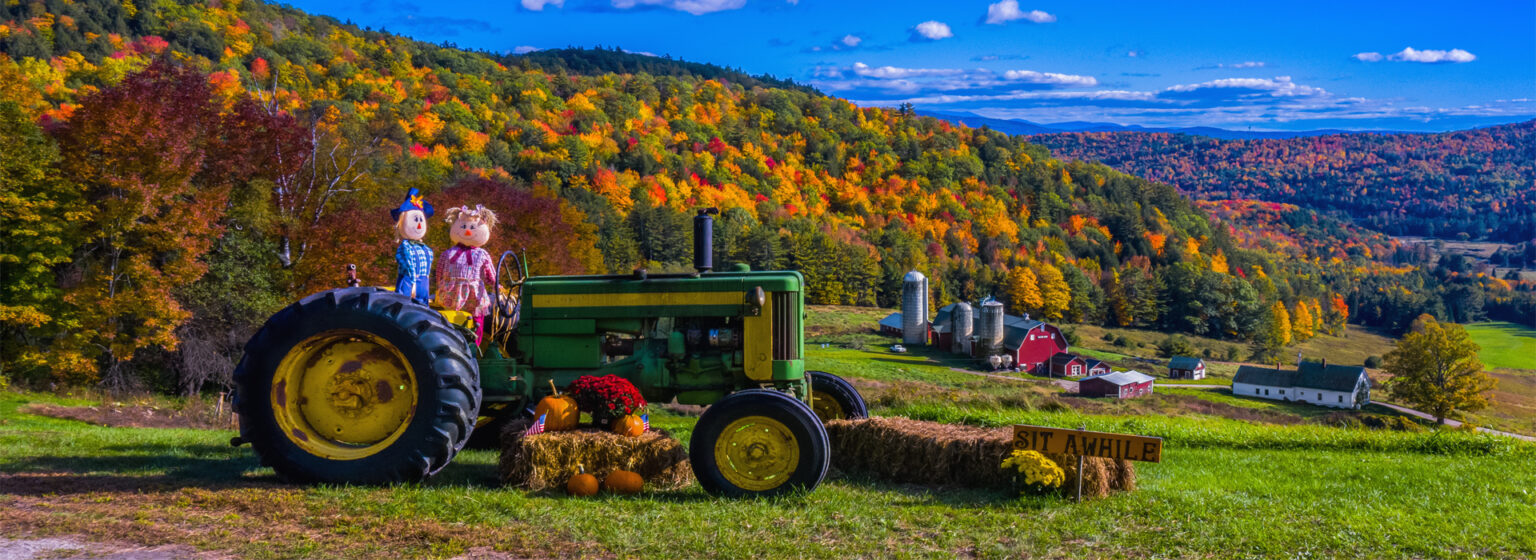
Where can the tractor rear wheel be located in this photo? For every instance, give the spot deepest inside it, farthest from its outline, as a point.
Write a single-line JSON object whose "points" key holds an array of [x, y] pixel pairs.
{"points": [[357, 386], [758, 443], [833, 398]]}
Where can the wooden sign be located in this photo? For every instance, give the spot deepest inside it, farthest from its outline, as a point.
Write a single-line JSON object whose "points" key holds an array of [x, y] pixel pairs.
{"points": [[1085, 443]]}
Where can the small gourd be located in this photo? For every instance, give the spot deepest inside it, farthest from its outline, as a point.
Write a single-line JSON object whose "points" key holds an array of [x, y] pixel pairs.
{"points": [[623, 482], [582, 484], [629, 425], [559, 411]]}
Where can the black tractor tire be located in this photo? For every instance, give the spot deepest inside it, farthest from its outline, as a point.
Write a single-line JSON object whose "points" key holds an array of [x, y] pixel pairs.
{"points": [[810, 439], [826, 385], [447, 382]]}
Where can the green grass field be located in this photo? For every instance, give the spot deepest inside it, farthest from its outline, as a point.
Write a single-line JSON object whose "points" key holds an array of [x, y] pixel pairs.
{"points": [[1241, 478], [1505, 345], [1226, 489]]}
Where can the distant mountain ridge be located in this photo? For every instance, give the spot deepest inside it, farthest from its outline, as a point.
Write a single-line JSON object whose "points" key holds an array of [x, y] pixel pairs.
{"points": [[1476, 182], [1014, 126]]}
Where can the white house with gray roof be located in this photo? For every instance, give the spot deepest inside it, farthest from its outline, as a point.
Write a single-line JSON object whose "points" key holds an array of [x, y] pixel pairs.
{"points": [[1311, 382]]}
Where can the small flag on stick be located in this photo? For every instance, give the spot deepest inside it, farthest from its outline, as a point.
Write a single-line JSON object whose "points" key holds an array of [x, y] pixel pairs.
{"points": [[646, 418], [537, 427]]}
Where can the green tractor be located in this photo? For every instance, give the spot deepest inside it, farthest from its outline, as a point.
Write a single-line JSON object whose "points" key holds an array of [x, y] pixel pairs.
{"points": [[361, 385]]}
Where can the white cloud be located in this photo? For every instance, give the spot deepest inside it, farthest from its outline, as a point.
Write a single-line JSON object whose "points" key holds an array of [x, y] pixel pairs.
{"points": [[1052, 78], [1409, 54], [538, 5], [933, 30], [1008, 10], [1280, 86], [695, 7], [524, 49], [894, 72], [851, 40], [1427, 56]]}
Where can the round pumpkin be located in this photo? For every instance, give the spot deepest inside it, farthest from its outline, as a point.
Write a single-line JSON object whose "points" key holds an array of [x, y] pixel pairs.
{"points": [[582, 485], [629, 425], [623, 482], [559, 412]]}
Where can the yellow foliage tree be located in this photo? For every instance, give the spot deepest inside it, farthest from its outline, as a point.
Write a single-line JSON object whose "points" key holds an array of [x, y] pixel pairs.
{"points": [[1435, 368], [1277, 334], [1023, 291], [1302, 323], [1055, 294]]}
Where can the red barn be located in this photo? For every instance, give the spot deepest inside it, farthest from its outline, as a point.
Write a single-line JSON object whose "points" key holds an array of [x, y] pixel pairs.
{"points": [[1120, 385], [1096, 367], [1068, 365], [1032, 343]]}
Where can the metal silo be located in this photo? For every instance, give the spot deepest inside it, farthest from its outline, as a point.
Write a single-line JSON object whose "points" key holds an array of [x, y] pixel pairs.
{"points": [[914, 308], [989, 333], [962, 325]]}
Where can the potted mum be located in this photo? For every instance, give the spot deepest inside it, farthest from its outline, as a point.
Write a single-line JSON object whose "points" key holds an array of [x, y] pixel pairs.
{"points": [[606, 398]]}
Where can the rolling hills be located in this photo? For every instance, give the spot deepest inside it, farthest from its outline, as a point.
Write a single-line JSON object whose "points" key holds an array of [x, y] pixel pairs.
{"points": [[1476, 183]]}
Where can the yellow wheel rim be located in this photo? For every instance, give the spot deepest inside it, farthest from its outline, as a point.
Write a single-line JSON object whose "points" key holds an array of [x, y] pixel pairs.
{"points": [[827, 408], [757, 453], [344, 394]]}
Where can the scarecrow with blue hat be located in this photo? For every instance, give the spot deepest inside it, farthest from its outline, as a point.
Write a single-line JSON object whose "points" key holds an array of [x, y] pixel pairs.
{"points": [[413, 258]]}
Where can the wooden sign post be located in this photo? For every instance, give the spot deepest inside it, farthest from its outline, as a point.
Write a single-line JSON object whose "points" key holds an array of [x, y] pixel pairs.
{"points": [[1083, 443]]}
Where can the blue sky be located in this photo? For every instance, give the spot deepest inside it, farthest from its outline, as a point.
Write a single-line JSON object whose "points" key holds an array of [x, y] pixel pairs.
{"points": [[1260, 65]]}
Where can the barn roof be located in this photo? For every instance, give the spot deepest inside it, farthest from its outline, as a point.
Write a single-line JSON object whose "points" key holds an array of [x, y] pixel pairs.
{"points": [[1121, 377], [1015, 328], [1185, 362], [1310, 375], [893, 320], [1063, 358], [1092, 363]]}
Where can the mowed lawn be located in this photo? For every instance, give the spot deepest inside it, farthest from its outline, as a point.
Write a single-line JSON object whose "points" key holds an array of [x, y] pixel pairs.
{"points": [[1215, 496], [1505, 345]]}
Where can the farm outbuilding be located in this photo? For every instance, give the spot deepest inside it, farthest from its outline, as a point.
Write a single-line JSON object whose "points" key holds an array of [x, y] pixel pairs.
{"points": [[1068, 365], [1096, 367], [891, 324], [1184, 367], [1311, 382], [1119, 384]]}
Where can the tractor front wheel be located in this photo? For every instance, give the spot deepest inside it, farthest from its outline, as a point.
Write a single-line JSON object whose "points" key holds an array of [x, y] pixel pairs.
{"points": [[833, 398], [758, 443], [357, 386]]}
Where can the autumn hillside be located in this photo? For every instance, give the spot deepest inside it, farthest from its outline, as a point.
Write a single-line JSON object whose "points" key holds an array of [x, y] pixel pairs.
{"points": [[1473, 182], [219, 160]]}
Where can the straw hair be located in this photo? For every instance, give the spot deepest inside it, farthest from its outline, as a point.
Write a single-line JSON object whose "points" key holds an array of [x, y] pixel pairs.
{"points": [[929, 453], [478, 213], [549, 459]]}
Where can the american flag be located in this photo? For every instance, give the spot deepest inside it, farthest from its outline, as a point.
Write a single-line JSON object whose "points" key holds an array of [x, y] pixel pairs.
{"points": [[646, 418], [537, 427]]}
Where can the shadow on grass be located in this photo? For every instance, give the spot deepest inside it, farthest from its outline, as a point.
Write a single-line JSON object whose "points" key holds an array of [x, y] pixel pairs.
{"points": [[159, 467], [956, 497]]}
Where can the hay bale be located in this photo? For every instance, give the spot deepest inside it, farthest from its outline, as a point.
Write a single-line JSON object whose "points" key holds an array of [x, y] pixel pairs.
{"points": [[547, 460], [929, 453]]}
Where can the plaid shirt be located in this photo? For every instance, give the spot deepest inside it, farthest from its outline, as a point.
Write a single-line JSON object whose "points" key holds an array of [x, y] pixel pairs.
{"points": [[414, 259], [462, 278]]}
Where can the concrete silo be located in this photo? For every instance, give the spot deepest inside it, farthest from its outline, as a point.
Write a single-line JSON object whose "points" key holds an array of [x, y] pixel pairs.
{"points": [[989, 330], [914, 308], [962, 325]]}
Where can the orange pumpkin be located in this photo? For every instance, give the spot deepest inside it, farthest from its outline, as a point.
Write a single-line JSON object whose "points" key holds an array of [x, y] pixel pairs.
{"points": [[629, 425], [582, 484], [559, 411], [623, 482]]}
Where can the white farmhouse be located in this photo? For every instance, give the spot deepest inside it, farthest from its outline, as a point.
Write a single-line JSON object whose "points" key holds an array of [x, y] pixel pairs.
{"points": [[1311, 382]]}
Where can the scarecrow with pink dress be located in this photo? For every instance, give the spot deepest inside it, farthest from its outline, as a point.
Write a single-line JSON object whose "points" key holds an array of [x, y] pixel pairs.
{"points": [[465, 270]]}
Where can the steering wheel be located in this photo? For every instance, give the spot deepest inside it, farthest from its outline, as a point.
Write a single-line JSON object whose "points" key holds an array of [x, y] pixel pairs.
{"points": [[507, 299]]}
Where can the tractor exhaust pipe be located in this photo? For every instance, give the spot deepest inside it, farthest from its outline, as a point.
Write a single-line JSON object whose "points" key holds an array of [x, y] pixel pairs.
{"points": [[704, 240]]}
